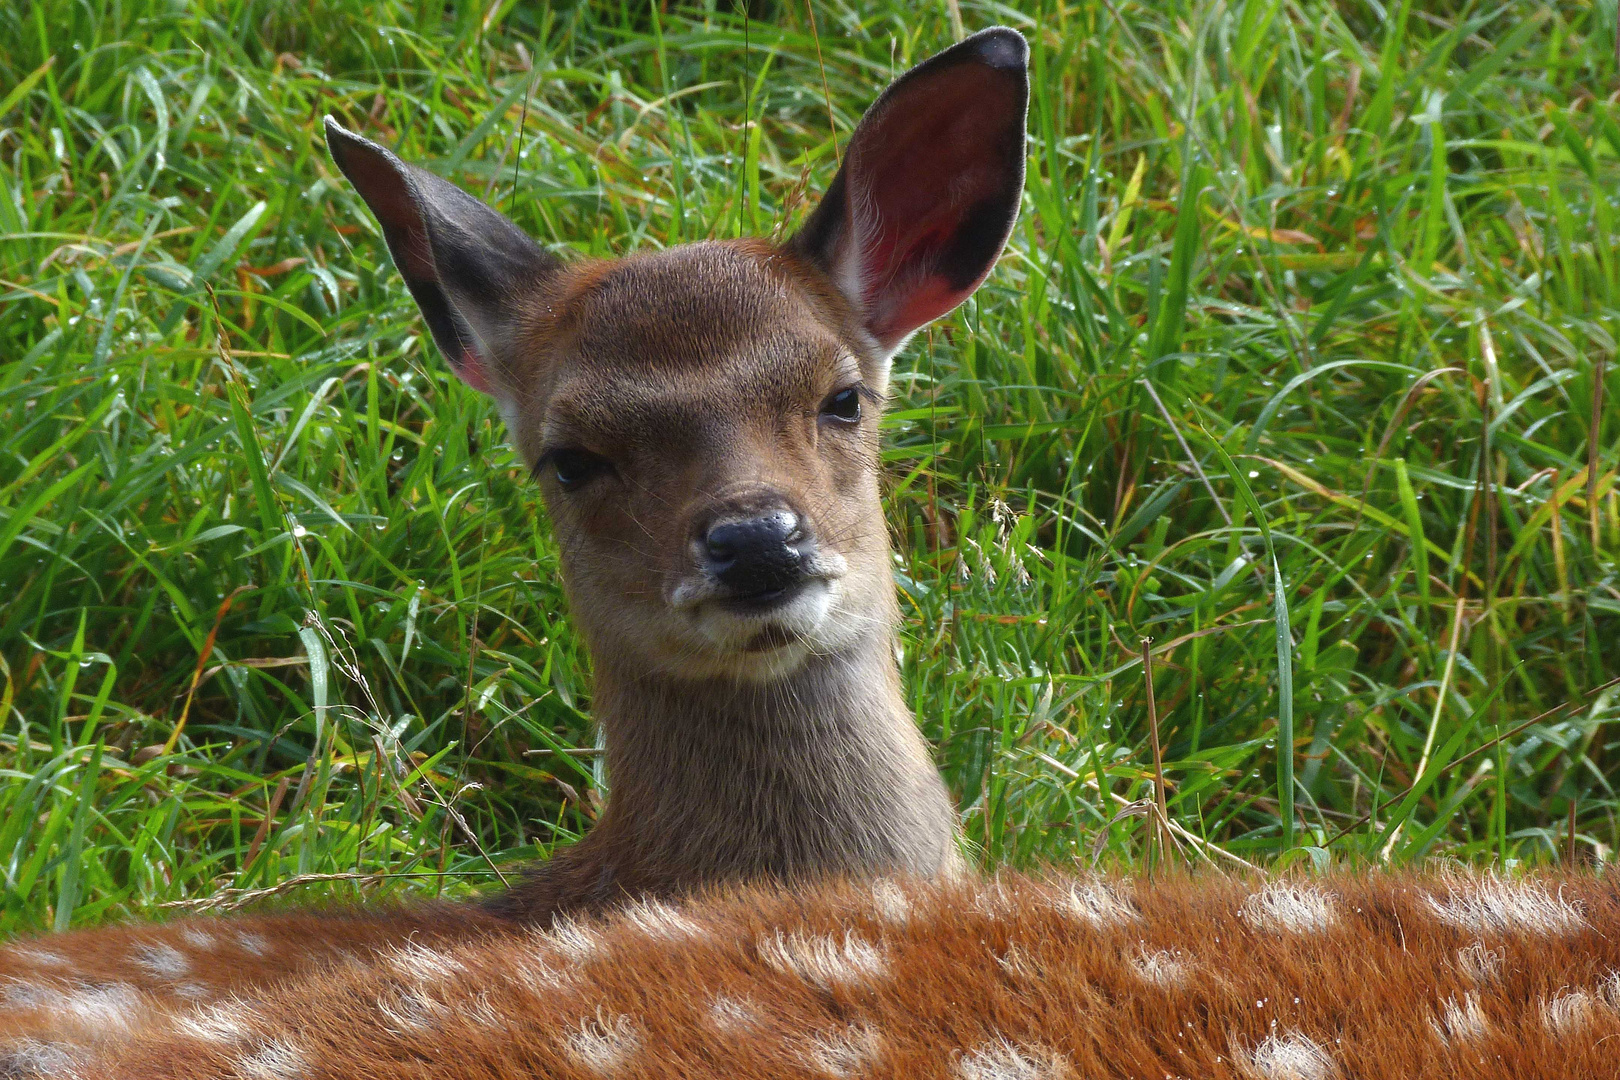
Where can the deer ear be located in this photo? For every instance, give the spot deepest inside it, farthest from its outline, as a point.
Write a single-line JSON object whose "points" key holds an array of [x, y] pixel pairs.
{"points": [[929, 187], [465, 264]]}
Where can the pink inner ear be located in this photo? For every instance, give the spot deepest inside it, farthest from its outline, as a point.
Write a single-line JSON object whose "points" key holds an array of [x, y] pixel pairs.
{"points": [[901, 293], [933, 156], [923, 306]]}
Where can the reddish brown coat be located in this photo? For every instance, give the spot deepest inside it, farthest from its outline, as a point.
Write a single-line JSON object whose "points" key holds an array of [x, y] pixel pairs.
{"points": [[1371, 976], [82, 987]]}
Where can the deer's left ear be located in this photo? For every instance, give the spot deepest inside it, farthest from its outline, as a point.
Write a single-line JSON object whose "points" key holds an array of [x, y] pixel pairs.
{"points": [[929, 187]]}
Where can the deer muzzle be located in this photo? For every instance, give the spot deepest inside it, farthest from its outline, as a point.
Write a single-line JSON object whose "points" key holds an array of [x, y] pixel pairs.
{"points": [[758, 558]]}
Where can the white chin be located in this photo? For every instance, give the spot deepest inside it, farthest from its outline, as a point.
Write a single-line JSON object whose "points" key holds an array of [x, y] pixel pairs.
{"points": [[767, 644]]}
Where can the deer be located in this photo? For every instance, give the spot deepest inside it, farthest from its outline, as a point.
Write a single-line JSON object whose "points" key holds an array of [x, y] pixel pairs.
{"points": [[702, 425], [1279, 977], [776, 886]]}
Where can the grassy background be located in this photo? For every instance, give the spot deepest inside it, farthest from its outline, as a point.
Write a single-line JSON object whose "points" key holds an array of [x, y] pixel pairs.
{"points": [[1294, 365]]}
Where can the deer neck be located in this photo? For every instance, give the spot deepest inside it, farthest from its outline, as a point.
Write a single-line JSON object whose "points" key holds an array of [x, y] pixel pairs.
{"points": [[718, 781], [822, 771], [818, 773]]}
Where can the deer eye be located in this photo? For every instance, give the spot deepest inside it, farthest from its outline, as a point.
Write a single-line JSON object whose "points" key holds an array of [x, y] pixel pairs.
{"points": [[571, 466], [843, 406]]}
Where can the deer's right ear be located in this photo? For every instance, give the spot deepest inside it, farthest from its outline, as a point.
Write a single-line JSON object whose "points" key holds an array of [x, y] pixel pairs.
{"points": [[466, 265], [929, 187]]}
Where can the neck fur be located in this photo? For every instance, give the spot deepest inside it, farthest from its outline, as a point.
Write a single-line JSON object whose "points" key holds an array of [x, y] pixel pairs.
{"points": [[821, 772]]}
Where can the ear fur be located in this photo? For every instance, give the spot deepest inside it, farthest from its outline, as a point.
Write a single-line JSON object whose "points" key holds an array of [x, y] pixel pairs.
{"points": [[929, 187], [465, 264]]}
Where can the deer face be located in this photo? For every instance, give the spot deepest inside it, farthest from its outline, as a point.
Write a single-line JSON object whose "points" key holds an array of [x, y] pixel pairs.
{"points": [[704, 428], [703, 421]]}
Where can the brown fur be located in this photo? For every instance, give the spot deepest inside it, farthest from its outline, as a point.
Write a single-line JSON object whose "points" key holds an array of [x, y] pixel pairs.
{"points": [[157, 968], [698, 371], [1349, 976], [743, 742]]}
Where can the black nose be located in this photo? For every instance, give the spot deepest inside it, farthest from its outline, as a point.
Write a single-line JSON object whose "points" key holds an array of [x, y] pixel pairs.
{"points": [[756, 556]]}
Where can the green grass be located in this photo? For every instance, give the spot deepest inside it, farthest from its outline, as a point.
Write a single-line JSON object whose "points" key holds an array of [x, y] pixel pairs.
{"points": [[1308, 300]]}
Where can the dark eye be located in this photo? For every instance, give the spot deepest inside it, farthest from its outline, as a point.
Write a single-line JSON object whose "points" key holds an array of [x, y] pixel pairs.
{"points": [[572, 466], [843, 406]]}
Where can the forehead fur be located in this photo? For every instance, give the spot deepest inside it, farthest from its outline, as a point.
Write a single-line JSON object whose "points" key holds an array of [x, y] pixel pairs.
{"points": [[677, 312], [673, 340]]}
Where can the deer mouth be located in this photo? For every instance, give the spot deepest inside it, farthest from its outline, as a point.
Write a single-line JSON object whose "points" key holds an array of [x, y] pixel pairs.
{"points": [[760, 603], [770, 639], [774, 621], [772, 617]]}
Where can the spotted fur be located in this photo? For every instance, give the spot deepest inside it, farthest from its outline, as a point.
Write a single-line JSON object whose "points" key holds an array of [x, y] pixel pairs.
{"points": [[821, 982]]}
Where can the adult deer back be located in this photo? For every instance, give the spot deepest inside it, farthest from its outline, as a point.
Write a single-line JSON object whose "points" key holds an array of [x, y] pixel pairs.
{"points": [[1288, 977]]}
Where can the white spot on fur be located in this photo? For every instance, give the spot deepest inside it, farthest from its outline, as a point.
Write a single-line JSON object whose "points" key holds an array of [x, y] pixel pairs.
{"points": [[411, 1009], [198, 939], [1295, 909], [277, 1059], [994, 900], [32, 1058], [1478, 964], [822, 960], [420, 962], [1001, 1060], [482, 1012], [1099, 905], [1161, 968], [1460, 1023], [160, 961], [603, 1046], [571, 939], [112, 1005], [533, 970], [1609, 989], [844, 1053], [659, 920], [1290, 1056], [254, 944], [193, 991], [1569, 1011], [890, 902], [733, 1016], [1504, 906], [215, 1024], [26, 995], [1572, 1009], [1016, 962]]}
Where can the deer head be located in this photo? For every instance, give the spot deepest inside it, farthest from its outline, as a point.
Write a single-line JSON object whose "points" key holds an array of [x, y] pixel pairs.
{"points": [[702, 423]]}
